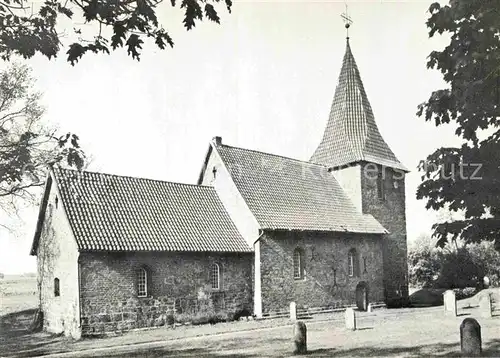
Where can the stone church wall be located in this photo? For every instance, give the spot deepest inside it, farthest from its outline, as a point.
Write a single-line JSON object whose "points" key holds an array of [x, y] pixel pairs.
{"points": [[108, 287], [326, 281], [390, 212]]}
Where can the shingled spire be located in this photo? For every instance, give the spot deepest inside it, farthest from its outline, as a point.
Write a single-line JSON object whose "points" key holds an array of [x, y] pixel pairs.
{"points": [[351, 134]]}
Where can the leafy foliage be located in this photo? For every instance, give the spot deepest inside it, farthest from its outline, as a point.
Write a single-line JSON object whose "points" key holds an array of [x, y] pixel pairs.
{"points": [[117, 23], [466, 178], [453, 266], [27, 144]]}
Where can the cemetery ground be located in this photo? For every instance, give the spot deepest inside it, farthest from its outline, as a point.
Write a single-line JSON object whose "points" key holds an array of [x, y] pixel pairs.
{"points": [[422, 331]]}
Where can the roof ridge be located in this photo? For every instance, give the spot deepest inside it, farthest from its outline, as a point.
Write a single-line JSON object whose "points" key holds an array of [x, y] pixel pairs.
{"points": [[136, 178], [274, 155]]}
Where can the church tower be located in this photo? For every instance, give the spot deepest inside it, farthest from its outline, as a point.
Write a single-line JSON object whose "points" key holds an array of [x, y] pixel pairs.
{"points": [[367, 169]]}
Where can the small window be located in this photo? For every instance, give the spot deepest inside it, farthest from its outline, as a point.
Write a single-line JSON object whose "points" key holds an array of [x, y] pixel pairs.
{"points": [[57, 201], [380, 186], [142, 282], [215, 277], [352, 265], [298, 264], [364, 265], [57, 292]]}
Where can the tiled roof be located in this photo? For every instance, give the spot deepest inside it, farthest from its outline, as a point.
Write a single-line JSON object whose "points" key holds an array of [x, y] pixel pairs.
{"points": [[290, 194], [117, 213], [351, 134]]}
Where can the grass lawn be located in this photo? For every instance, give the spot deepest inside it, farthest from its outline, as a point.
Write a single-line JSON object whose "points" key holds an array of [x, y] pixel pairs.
{"points": [[395, 332], [416, 332]]}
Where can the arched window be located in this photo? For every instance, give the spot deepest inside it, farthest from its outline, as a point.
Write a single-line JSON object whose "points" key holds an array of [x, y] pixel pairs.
{"points": [[215, 277], [142, 282], [352, 263], [298, 264], [57, 293]]}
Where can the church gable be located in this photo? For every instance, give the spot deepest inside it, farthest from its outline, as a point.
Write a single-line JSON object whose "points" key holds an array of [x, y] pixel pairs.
{"points": [[289, 194]]}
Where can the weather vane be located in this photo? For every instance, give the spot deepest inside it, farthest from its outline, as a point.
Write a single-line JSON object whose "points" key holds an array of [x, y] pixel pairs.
{"points": [[347, 20]]}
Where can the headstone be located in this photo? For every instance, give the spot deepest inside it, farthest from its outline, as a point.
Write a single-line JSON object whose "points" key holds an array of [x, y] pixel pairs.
{"points": [[450, 303], [350, 319], [486, 282], [293, 311], [470, 338], [485, 305], [370, 308], [300, 338]]}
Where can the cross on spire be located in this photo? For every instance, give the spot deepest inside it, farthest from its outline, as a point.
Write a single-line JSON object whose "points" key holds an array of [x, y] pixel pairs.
{"points": [[347, 20]]}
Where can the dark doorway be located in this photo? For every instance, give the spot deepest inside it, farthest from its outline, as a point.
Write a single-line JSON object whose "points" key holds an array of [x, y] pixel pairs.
{"points": [[362, 296]]}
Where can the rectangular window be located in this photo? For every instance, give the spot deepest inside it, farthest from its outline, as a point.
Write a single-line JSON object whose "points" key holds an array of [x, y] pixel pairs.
{"points": [[57, 292], [380, 186], [215, 277], [298, 265], [351, 265], [142, 283]]}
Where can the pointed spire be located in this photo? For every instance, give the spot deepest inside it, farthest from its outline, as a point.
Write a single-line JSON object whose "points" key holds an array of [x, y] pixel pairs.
{"points": [[351, 134]]}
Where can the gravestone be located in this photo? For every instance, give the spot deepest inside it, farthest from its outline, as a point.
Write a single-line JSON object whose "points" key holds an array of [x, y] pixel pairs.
{"points": [[293, 311], [450, 303], [470, 338], [370, 308], [300, 338], [486, 282], [485, 305], [350, 319]]}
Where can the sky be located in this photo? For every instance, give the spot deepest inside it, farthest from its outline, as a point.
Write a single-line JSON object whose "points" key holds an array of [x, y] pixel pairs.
{"points": [[264, 79]]}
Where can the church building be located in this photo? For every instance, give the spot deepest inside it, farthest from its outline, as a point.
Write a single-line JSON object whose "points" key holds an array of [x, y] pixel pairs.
{"points": [[255, 233]]}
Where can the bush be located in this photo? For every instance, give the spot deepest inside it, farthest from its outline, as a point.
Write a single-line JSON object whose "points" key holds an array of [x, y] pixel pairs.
{"points": [[452, 267], [461, 293]]}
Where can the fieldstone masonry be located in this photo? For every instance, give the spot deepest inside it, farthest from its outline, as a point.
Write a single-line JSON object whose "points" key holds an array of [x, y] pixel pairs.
{"points": [[109, 300], [391, 213], [326, 282]]}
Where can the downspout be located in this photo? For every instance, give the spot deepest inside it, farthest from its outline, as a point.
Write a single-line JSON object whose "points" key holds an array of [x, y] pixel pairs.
{"points": [[257, 299]]}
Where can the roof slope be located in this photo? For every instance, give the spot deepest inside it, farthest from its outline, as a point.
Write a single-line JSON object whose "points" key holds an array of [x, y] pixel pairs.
{"points": [[289, 194], [116, 213], [351, 134]]}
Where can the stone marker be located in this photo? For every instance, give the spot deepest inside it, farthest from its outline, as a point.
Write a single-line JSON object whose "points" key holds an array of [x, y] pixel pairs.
{"points": [[293, 311], [370, 308], [485, 305], [300, 338], [450, 303], [486, 282], [350, 319], [470, 338]]}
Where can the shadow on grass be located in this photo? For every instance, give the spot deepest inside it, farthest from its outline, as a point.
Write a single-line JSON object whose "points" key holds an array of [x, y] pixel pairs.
{"points": [[491, 349], [16, 337]]}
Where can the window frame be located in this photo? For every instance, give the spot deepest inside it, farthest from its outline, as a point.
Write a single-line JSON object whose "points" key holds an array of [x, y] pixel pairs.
{"points": [[380, 186], [143, 271], [298, 267], [215, 268], [352, 264]]}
